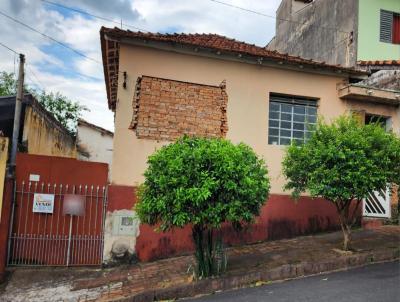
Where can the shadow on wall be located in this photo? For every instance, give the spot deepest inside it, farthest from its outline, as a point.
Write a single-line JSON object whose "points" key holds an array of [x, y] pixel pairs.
{"points": [[280, 218], [284, 228]]}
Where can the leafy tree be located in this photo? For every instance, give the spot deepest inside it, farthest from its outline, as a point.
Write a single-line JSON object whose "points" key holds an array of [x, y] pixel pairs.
{"points": [[67, 112], [343, 162], [63, 109], [203, 183], [8, 84]]}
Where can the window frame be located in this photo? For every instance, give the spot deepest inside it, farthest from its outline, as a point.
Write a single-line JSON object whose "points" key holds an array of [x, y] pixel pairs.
{"points": [[383, 120], [386, 26], [281, 99]]}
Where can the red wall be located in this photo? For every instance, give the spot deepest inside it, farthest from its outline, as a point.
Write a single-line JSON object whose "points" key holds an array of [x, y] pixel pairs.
{"points": [[31, 231], [60, 170], [4, 225], [281, 217]]}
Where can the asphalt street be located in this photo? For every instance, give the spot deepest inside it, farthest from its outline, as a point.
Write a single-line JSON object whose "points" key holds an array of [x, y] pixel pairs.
{"points": [[377, 282]]}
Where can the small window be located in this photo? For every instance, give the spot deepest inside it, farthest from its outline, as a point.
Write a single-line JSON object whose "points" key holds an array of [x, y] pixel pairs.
{"points": [[290, 118], [389, 27], [383, 121]]}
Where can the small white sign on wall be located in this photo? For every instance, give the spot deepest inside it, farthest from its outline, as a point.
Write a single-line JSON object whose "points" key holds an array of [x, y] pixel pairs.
{"points": [[43, 203], [34, 177]]}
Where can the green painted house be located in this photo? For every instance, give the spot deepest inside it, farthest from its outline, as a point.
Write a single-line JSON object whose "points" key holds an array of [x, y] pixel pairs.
{"points": [[378, 30], [339, 31]]}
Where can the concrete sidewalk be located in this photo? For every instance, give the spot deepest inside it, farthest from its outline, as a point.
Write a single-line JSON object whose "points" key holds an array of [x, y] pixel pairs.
{"points": [[172, 278]]}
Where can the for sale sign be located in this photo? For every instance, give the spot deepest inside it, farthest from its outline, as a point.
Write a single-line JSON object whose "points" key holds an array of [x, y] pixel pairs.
{"points": [[43, 203]]}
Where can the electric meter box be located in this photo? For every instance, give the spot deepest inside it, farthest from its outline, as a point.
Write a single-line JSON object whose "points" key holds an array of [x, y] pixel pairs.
{"points": [[124, 224]]}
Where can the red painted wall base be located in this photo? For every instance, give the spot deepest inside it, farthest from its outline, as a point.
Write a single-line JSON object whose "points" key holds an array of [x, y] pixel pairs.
{"points": [[371, 223], [281, 217], [4, 225]]}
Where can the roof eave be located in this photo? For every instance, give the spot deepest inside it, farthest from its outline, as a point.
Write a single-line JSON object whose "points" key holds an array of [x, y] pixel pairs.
{"points": [[104, 57], [242, 57]]}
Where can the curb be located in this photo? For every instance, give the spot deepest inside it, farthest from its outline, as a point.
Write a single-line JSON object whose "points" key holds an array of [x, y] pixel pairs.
{"points": [[284, 272]]}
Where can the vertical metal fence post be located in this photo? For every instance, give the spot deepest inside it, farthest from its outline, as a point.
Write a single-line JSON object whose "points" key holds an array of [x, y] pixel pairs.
{"points": [[69, 239]]}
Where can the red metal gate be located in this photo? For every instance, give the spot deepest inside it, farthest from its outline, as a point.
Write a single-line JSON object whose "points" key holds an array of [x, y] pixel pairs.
{"points": [[40, 236], [56, 238]]}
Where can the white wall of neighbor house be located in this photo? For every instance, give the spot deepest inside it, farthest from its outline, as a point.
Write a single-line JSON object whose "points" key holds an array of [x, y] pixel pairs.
{"points": [[248, 88], [97, 144]]}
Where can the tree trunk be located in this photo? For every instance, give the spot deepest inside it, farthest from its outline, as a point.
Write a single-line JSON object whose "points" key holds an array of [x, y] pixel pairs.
{"points": [[204, 243], [202, 265], [210, 256], [346, 238], [346, 229]]}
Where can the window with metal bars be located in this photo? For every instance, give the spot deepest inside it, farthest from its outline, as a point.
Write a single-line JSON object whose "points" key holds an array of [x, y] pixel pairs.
{"points": [[290, 118], [389, 31]]}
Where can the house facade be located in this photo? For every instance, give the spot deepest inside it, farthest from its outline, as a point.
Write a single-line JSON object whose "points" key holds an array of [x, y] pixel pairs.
{"points": [[339, 31], [41, 133], [163, 86], [94, 143]]}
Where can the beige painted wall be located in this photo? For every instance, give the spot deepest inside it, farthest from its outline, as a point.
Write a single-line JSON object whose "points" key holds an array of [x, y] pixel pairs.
{"points": [[43, 138], [3, 164], [99, 145], [248, 88]]}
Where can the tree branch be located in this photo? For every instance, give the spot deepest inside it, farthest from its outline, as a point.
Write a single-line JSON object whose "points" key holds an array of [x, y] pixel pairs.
{"points": [[353, 220]]}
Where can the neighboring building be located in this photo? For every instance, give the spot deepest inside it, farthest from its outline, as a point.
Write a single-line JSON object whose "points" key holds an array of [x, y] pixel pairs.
{"points": [[338, 31], [161, 86], [385, 74], [40, 132], [94, 143]]}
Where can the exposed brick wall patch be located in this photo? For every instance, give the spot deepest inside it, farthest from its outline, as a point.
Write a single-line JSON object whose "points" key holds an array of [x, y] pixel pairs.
{"points": [[166, 109]]}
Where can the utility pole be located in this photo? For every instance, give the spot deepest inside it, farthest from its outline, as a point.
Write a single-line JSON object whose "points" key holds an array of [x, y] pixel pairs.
{"points": [[17, 116]]}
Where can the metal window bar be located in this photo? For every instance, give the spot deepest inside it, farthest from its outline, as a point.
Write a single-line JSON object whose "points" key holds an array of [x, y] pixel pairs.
{"points": [[308, 121]]}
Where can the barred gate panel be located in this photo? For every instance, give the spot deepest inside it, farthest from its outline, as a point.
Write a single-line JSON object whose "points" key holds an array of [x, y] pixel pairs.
{"points": [[42, 239], [377, 204]]}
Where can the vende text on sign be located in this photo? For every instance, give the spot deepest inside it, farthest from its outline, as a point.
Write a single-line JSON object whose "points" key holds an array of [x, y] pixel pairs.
{"points": [[43, 203]]}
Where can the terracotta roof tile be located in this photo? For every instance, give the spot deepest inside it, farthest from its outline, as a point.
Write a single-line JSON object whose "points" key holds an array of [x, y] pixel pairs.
{"points": [[380, 63], [212, 42]]}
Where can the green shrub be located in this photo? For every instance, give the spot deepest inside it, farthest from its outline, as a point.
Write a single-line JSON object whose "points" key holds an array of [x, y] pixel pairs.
{"points": [[342, 162], [203, 183]]}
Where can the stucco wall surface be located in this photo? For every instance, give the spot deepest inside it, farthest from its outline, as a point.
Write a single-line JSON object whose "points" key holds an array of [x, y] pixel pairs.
{"points": [[248, 88], [42, 137], [319, 30], [98, 146], [3, 163], [369, 46]]}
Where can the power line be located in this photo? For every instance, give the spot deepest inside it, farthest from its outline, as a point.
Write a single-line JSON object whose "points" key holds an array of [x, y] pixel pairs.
{"points": [[271, 16], [74, 71], [35, 83], [93, 15], [58, 42], [9, 48], [48, 37], [34, 75]]}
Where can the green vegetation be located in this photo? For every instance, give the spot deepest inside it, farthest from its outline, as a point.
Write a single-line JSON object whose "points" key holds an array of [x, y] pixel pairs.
{"points": [[203, 183], [66, 111], [342, 162]]}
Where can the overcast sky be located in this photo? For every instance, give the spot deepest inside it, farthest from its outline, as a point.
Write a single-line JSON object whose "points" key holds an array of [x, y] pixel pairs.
{"points": [[54, 68]]}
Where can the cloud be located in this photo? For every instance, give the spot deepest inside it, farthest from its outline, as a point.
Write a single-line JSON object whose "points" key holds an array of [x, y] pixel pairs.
{"points": [[115, 9], [58, 69]]}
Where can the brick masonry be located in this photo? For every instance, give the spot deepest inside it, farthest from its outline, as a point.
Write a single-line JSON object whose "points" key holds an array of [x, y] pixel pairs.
{"points": [[166, 109]]}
